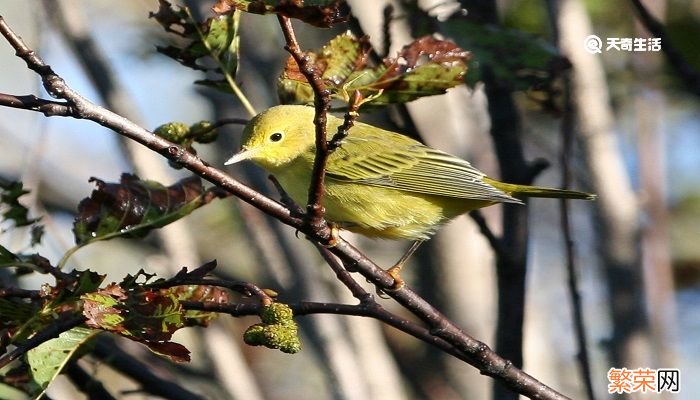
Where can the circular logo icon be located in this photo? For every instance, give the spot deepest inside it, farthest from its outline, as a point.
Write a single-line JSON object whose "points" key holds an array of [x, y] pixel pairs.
{"points": [[593, 44]]}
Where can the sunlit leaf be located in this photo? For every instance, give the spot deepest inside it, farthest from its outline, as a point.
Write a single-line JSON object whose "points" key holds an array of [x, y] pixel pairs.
{"points": [[320, 13], [146, 316], [426, 67], [47, 359], [134, 207]]}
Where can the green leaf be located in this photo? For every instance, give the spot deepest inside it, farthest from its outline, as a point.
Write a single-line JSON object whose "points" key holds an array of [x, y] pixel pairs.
{"points": [[134, 207], [215, 39], [426, 67], [47, 359], [320, 13], [146, 316]]}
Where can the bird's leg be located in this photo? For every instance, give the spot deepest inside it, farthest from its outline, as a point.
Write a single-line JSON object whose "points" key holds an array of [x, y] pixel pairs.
{"points": [[394, 271]]}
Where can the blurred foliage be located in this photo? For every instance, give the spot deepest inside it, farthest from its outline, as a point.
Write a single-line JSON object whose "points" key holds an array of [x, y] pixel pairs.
{"points": [[12, 210], [683, 28], [521, 15], [516, 60]]}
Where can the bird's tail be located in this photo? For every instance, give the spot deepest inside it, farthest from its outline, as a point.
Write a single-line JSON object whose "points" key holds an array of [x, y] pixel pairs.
{"points": [[536, 191]]}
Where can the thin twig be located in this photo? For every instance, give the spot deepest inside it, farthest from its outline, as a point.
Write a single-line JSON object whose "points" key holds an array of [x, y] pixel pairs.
{"points": [[30, 102], [285, 198], [322, 103], [685, 71], [226, 121], [567, 135], [569, 245], [344, 276], [369, 309], [244, 288], [348, 122], [485, 230]]}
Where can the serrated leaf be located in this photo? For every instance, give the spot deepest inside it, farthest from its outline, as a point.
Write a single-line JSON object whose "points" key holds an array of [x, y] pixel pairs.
{"points": [[215, 39], [320, 13], [47, 359], [426, 67], [134, 207], [146, 316]]}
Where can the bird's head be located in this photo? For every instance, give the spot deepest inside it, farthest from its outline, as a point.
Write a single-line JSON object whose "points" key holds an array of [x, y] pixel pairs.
{"points": [[275, 137]]}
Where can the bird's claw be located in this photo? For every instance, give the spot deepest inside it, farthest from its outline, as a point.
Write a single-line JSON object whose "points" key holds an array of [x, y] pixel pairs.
{"points": [[394, 273], [334, 237]]}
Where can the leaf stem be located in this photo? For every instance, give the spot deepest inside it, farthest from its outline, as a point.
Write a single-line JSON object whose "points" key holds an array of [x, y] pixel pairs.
{"points": [[229, 79]]}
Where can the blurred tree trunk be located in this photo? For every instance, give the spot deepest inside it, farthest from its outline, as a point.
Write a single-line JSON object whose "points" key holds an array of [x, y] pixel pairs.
{"points": [[656, 257], [617, 210]]}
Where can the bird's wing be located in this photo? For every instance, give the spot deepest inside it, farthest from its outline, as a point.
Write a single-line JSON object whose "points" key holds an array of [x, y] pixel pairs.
{"points": [[405, 164]]}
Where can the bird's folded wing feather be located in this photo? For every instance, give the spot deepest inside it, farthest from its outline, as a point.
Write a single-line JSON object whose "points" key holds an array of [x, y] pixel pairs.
{"points": [[404, 164]]}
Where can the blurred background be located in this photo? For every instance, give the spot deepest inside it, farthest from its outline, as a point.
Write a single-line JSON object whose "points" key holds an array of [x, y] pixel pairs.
{"points": [[636, 144]]}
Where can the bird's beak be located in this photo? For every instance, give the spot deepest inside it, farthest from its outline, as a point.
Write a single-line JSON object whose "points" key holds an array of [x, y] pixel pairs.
{"points": [[244, 154]]}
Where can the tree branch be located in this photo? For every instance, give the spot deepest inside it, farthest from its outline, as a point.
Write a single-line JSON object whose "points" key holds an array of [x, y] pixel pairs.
{"points": [[30, 102], [322, 102]]}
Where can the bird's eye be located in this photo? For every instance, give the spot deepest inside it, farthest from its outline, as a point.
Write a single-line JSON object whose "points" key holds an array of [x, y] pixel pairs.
{"points": [[276, 137]]}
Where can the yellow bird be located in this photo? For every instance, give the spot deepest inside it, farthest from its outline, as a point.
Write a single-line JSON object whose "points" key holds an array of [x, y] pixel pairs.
{"points": [[378, 183]]}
